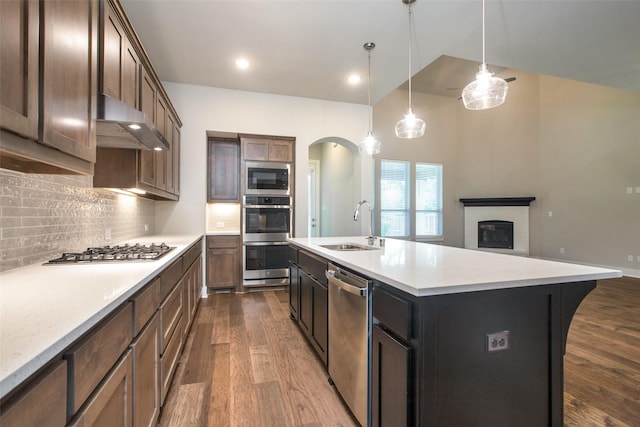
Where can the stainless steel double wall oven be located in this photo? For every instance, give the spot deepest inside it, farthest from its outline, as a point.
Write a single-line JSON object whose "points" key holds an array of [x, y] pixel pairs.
{"points": [[267, 220]]}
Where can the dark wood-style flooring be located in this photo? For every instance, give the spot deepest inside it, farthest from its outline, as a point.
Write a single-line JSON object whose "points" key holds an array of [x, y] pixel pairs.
{"points": [[246, 364]]}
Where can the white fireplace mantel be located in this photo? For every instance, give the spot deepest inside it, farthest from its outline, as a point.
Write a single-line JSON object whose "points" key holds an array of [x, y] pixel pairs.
{"points": [[514, 209]]}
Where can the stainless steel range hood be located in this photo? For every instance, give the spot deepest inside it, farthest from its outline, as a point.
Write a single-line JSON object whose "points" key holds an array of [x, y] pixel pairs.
{"points": [[120, 126]]}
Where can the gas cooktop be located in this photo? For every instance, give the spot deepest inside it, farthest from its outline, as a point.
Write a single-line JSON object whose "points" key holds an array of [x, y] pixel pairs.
{"points": [[126, 252]]}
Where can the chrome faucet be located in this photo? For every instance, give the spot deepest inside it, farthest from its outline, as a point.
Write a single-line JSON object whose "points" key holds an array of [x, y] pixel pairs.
{"points": [[371, 238]]}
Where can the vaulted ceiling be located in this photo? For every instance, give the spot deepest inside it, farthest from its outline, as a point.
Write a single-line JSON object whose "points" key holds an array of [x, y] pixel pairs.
{"points": [[307, 48]]}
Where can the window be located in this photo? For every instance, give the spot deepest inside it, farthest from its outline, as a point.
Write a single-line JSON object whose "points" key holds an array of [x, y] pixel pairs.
{"points": [[394, 198], [428, 200], [410, 200]]}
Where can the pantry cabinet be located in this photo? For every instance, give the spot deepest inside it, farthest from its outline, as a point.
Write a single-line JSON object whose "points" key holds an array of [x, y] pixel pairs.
{"points": [[49, 86]]}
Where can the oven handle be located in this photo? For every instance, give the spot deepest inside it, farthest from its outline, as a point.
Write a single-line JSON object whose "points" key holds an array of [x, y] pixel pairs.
{"points": [[267, 206], [265, 243]]}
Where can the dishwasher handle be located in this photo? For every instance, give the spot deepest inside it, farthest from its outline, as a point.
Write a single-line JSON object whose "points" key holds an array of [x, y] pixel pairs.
{"points": [[345, 286]]}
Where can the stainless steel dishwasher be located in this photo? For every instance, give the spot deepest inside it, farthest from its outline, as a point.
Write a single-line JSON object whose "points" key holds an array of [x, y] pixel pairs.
{"points": [[349, 338]]}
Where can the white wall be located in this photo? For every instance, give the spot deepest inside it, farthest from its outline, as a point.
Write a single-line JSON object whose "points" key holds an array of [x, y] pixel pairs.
{"points": [[203, 109]]}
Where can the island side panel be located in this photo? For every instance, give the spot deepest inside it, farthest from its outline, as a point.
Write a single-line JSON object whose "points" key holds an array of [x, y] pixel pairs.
{"points": [[458, 382]]}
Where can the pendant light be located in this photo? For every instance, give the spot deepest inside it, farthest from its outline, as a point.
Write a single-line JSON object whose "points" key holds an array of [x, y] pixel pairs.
{"points": [[410, 126], [370, 144], [486, 91]]}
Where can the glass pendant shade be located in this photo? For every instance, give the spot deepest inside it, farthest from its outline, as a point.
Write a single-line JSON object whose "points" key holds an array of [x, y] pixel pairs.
{"points": [[410, 127], [370, 145], [486, 91]]}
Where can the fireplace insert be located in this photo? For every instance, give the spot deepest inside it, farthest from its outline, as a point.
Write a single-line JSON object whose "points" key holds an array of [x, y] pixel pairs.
{"points": [[495, 234]]}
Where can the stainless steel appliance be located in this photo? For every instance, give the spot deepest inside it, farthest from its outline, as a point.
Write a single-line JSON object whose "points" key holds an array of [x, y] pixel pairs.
{"points": [[126, 252], [267, 178], [266, 226], [349, 338]]}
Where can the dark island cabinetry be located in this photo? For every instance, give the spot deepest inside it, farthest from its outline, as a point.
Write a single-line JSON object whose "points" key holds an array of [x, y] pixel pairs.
{"points": [[308, 297], [480, 358]]}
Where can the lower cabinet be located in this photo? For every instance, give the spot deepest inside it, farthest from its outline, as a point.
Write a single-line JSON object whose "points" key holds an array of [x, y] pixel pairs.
{"points": [[111, 404], [118, 373], [294, 291], [223, 261], [390, 380], [146, 375], [308, 298], [41, 402]]}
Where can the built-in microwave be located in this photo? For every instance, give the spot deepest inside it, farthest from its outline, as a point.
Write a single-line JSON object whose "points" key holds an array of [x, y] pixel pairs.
{"points": [[267, 178]]}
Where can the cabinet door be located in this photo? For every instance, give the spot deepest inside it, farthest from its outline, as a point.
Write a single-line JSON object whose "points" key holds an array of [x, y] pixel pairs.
{"points": [[19, 47], [255, 149], [147, 169], [320, 315], [223, 183], [42, 402], [305, 314], [69, 77], [176, 159], [111, 404], [390, 380], [169, 161], [146, 375], [294, 291], [223, 266], [280, 150]]}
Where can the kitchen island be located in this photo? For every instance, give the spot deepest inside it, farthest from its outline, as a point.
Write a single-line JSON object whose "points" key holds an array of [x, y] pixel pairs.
{"points": [[463, 337], [80, 318]]}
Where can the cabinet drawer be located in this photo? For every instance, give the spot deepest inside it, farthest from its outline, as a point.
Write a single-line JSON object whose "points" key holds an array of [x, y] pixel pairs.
{"points": [[168, 362], [145, 304], [111, 404], [393, 312], [170, 277], [314, 265], [190, 256], [222, 242], [293, 254], [91, 359], [170, 311], [42, 402]]}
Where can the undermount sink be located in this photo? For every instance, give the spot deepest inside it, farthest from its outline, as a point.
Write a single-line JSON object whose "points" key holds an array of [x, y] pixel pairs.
{"points": [[348, 247]]}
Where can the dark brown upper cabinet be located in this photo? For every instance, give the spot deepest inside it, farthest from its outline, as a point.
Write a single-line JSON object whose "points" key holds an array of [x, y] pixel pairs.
{"points": [[223, 170]]}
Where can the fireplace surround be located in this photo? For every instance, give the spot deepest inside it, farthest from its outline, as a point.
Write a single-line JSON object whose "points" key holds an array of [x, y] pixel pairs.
{"points": [[497, 224]]}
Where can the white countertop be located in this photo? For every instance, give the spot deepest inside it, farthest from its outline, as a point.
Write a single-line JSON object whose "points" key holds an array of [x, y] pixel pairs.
{"points": [[43, 309], [423, 269]]}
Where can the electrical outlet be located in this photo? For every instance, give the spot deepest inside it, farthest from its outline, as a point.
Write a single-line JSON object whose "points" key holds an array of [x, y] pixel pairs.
{"points": [[561, 250], [549, 214], [630, 258], [498, 341], [107, 234], [629, 190], [146, 228], [637, 189], [638, 258], [220, 224]]}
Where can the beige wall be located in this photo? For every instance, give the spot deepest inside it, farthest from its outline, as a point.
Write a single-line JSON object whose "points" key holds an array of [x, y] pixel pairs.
{"points": [[574, 146]]}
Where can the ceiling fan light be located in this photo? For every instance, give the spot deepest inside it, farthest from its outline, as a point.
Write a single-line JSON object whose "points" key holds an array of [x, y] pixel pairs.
{"points": [[410, 126], [486, 91], [370, 144]]}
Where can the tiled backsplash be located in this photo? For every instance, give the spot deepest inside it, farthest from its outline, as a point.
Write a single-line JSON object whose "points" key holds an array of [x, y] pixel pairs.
{"points": [[42, 216]]}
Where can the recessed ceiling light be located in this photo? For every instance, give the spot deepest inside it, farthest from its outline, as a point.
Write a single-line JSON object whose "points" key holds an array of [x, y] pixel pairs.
{"points": [[242, 63], [354, 79], [134, 126]]}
